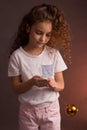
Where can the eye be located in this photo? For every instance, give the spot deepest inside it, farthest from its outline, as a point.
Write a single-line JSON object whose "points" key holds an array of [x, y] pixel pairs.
{"points": [[48, 35], [38, 32]]}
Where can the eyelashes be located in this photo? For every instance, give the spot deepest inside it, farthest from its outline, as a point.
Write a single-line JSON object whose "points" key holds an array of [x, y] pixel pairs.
{"points": [[41, 33]]}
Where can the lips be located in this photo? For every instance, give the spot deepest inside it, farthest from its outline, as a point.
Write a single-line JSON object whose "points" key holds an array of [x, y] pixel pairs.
{"points": [[40, 43]]}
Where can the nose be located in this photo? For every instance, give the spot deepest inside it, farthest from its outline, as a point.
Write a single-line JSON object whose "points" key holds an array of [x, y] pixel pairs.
{"points": [[43, 38]]}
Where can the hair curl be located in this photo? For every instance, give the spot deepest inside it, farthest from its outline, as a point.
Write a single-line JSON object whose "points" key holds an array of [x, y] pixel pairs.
{"points": [[60, 35]]}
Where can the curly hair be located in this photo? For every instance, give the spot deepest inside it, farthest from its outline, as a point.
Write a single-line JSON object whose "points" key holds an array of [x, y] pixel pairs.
{"points": [[60, 38]]}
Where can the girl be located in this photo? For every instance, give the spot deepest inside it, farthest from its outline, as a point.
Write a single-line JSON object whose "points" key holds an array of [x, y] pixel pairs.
{"points": [[35, 67]]}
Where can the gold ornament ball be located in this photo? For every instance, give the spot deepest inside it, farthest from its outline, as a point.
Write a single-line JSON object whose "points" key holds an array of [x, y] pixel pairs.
{"points": [[71, 110]]}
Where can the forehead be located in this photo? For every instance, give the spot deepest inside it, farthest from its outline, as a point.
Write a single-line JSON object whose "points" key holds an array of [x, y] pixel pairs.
{"points": [[42, 26]]}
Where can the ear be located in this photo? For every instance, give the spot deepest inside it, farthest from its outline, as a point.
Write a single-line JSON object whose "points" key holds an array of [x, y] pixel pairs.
{"points": [[27, 28]]}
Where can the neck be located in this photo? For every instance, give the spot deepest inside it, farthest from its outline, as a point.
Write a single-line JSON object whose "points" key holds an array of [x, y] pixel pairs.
{"points": [[33, 50]]}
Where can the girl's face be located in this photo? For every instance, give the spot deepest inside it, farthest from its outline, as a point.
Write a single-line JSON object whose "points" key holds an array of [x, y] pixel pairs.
{"points": [[40, 34]]}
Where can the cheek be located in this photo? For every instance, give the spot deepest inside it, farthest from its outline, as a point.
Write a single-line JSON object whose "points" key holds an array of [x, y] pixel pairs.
{"points": [[48, 39], [34, 36]]}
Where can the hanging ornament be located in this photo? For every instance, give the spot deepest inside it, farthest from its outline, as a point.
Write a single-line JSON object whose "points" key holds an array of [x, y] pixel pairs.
{"points": [[71, 110]]}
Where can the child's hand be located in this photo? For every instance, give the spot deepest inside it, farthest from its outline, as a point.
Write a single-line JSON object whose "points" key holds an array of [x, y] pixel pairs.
{"points": [[39, 81], [51, 82]]}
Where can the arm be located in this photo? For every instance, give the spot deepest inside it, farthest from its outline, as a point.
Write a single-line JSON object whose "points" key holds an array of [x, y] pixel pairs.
{"points": [[20, 87], [57, 83]]}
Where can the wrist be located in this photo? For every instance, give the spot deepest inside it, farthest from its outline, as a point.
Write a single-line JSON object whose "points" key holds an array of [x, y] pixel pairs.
{"points": [[32, 82]]}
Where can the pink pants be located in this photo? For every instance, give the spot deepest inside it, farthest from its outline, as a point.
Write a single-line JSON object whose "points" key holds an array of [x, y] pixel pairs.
{"points": [[39, 117]]}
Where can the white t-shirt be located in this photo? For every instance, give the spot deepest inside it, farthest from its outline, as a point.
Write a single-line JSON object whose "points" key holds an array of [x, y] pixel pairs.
{"points": [[46, 65]]}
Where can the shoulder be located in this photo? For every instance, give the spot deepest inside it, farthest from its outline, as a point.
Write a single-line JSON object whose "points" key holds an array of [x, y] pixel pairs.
{"points": [[51, 50], [16, 53], [54, 53]]}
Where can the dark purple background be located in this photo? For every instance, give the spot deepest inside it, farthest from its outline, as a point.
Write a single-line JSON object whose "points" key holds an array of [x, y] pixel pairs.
{"points": [[75, 91]]}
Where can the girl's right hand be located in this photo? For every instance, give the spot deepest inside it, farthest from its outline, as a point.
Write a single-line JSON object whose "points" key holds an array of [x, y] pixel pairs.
{"points": [[39, 81]]}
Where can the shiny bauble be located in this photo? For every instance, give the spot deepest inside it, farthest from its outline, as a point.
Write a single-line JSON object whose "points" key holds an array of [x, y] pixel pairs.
{"points": [[71, 110]]}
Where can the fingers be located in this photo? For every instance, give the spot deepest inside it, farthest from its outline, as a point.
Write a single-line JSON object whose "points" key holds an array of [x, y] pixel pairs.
{"points": [[51, 82], [39, 81]]}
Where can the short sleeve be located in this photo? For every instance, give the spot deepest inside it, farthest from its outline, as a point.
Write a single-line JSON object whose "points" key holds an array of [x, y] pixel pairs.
{"points": [[13, 66], [59, 64]]}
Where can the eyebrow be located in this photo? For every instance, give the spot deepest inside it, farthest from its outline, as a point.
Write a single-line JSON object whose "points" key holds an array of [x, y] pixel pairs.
{"points": [[42, 31]]}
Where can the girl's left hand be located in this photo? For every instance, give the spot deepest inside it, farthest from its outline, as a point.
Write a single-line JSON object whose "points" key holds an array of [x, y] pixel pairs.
{"points": [[52, 83]]}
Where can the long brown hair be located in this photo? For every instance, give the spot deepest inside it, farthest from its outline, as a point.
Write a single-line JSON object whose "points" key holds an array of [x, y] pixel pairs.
{"points": [[61, 32]]}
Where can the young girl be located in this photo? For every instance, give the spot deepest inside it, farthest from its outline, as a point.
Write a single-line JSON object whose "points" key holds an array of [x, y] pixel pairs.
{"points": [[36, 65]]}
